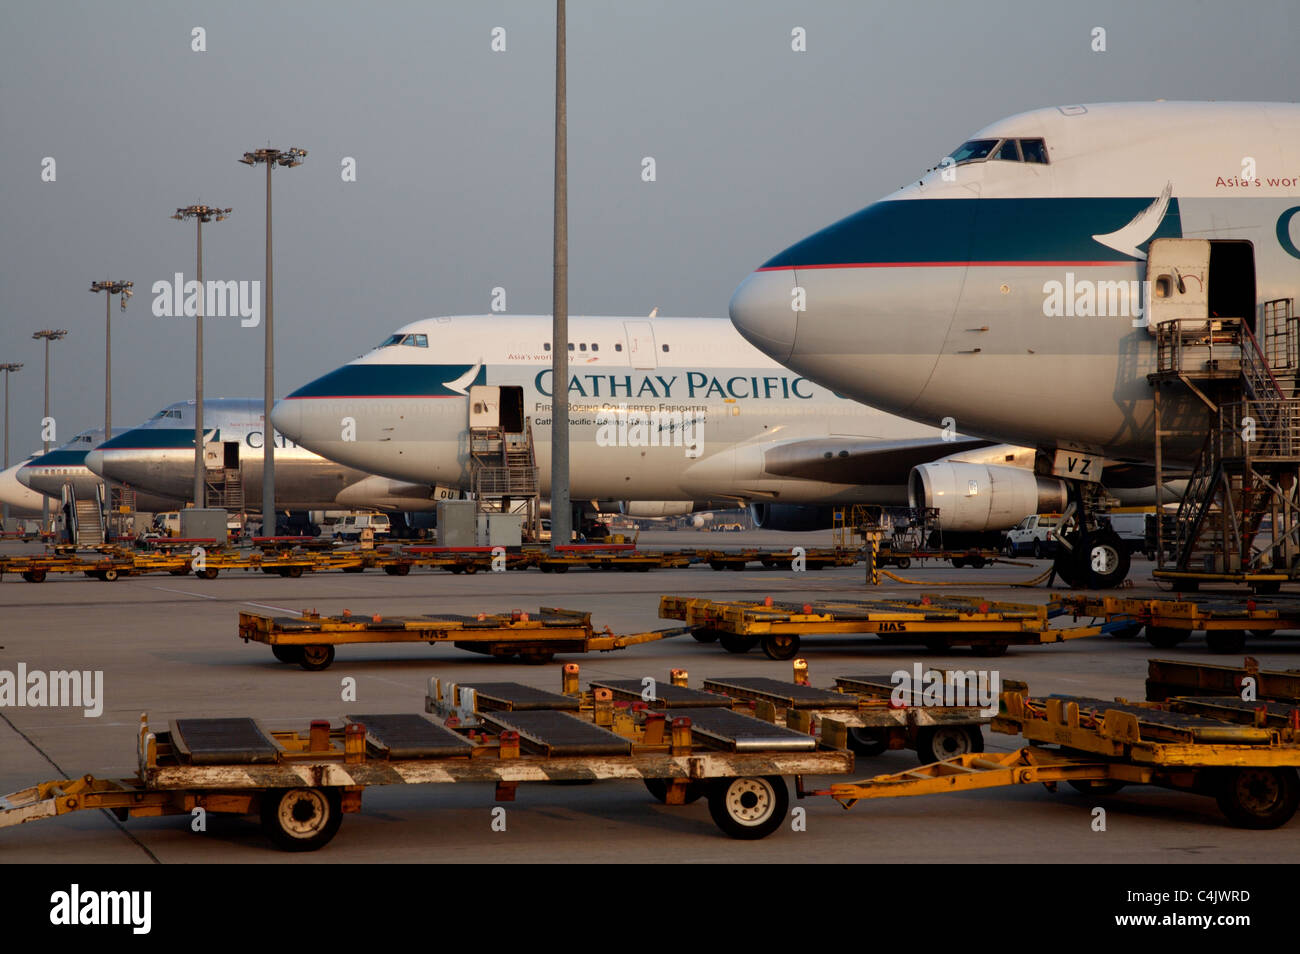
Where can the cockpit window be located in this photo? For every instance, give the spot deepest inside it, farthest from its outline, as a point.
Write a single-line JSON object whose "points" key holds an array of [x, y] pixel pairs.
{"points": [[972, 150], [411, 341], [1008, 151], [1035, 150]]}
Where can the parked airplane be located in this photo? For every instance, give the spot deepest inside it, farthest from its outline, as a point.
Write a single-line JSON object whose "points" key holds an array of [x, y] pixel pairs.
{"points": [[666, 416], [158, 456], [22, 500], [1004, 288], [49, 473]]}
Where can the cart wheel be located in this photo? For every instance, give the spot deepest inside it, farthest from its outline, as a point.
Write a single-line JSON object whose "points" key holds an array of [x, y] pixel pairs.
{"points": [[1259, 798], [34, 576], [207, 573], [109, 576], [293, 572], [733, 643], [398, 569], [1096, 786], [705, 635], [903, 563], [286, 654], [717, 564], [780, 645], [989, 649], [316, 657], [301, 819], [473, 568], [354, 569], [948, 741], [957, 562], [544, 567], [866, 742], [557, 568], [1164, 637], [749, 808], [179, 571], [1223, 641], [658, 787]]}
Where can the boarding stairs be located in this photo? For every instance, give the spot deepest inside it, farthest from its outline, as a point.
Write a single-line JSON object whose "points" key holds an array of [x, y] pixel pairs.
{"points": [[85, 515], [224, 489], [503, 472]]}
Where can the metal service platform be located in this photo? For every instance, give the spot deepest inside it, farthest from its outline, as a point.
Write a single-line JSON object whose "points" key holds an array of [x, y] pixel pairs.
{"points": [[937, 622], [309, 639]]}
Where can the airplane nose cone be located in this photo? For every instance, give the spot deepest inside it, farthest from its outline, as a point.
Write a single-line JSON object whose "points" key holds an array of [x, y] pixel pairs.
{"points": [[95, 462], [286, 418], [762, 309]]}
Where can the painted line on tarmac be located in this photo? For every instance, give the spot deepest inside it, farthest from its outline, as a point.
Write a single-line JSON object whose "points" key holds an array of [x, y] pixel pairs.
{"points": [[278, 609], [168, 589]]}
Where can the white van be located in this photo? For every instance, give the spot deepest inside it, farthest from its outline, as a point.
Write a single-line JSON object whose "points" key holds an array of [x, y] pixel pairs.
{"points": [[350, 526]]}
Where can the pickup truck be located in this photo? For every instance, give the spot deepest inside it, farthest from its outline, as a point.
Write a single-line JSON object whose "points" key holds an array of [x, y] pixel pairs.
{"points": [[1035, 535]]}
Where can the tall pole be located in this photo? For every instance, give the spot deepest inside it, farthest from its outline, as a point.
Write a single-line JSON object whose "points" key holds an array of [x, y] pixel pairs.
{"points": [[49, 334], [123, 290], [7, 369], [268, 398], [200, 214], [200, 498], [108, 367], [287, 158], [45, 501], [561, 513]]}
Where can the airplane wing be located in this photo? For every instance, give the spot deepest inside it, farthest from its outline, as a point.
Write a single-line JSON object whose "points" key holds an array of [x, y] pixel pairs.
{"points": [[860, 460]]}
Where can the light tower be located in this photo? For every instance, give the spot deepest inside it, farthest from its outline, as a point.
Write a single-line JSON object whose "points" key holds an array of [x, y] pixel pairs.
{"points": [[288, 158], [7, 369], [124, 290], [49, 334], [200, 214]]}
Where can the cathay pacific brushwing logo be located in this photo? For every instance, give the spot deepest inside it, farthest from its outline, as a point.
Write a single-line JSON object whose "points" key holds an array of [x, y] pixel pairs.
{"points": [[1140, 228], [460, 384]]}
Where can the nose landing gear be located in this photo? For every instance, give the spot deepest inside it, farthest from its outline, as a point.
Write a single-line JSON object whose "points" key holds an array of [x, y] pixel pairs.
{"points": [[1089, 554]]}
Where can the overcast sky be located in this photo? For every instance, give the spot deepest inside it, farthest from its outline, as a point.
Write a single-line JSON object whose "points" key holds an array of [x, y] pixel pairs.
{"points": [[755, 145]]}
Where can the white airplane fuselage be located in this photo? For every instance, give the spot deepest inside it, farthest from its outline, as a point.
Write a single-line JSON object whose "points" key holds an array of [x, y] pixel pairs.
{"points": [[1005, 291], [402, 410]]}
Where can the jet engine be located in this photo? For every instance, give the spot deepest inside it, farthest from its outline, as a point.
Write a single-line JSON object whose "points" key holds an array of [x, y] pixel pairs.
{"points": [[977, 497], [791, 516]]}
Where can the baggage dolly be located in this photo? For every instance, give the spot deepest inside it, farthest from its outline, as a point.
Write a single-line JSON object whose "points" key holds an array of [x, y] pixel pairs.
{"points": [[1226, 620], [309, 639], [937, 622], [1243, 754], [301, 783]]}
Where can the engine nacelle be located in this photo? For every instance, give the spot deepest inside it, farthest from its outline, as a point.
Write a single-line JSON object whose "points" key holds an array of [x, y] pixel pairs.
{"points": [[983, 496], [800, 517], [656, 508]]}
